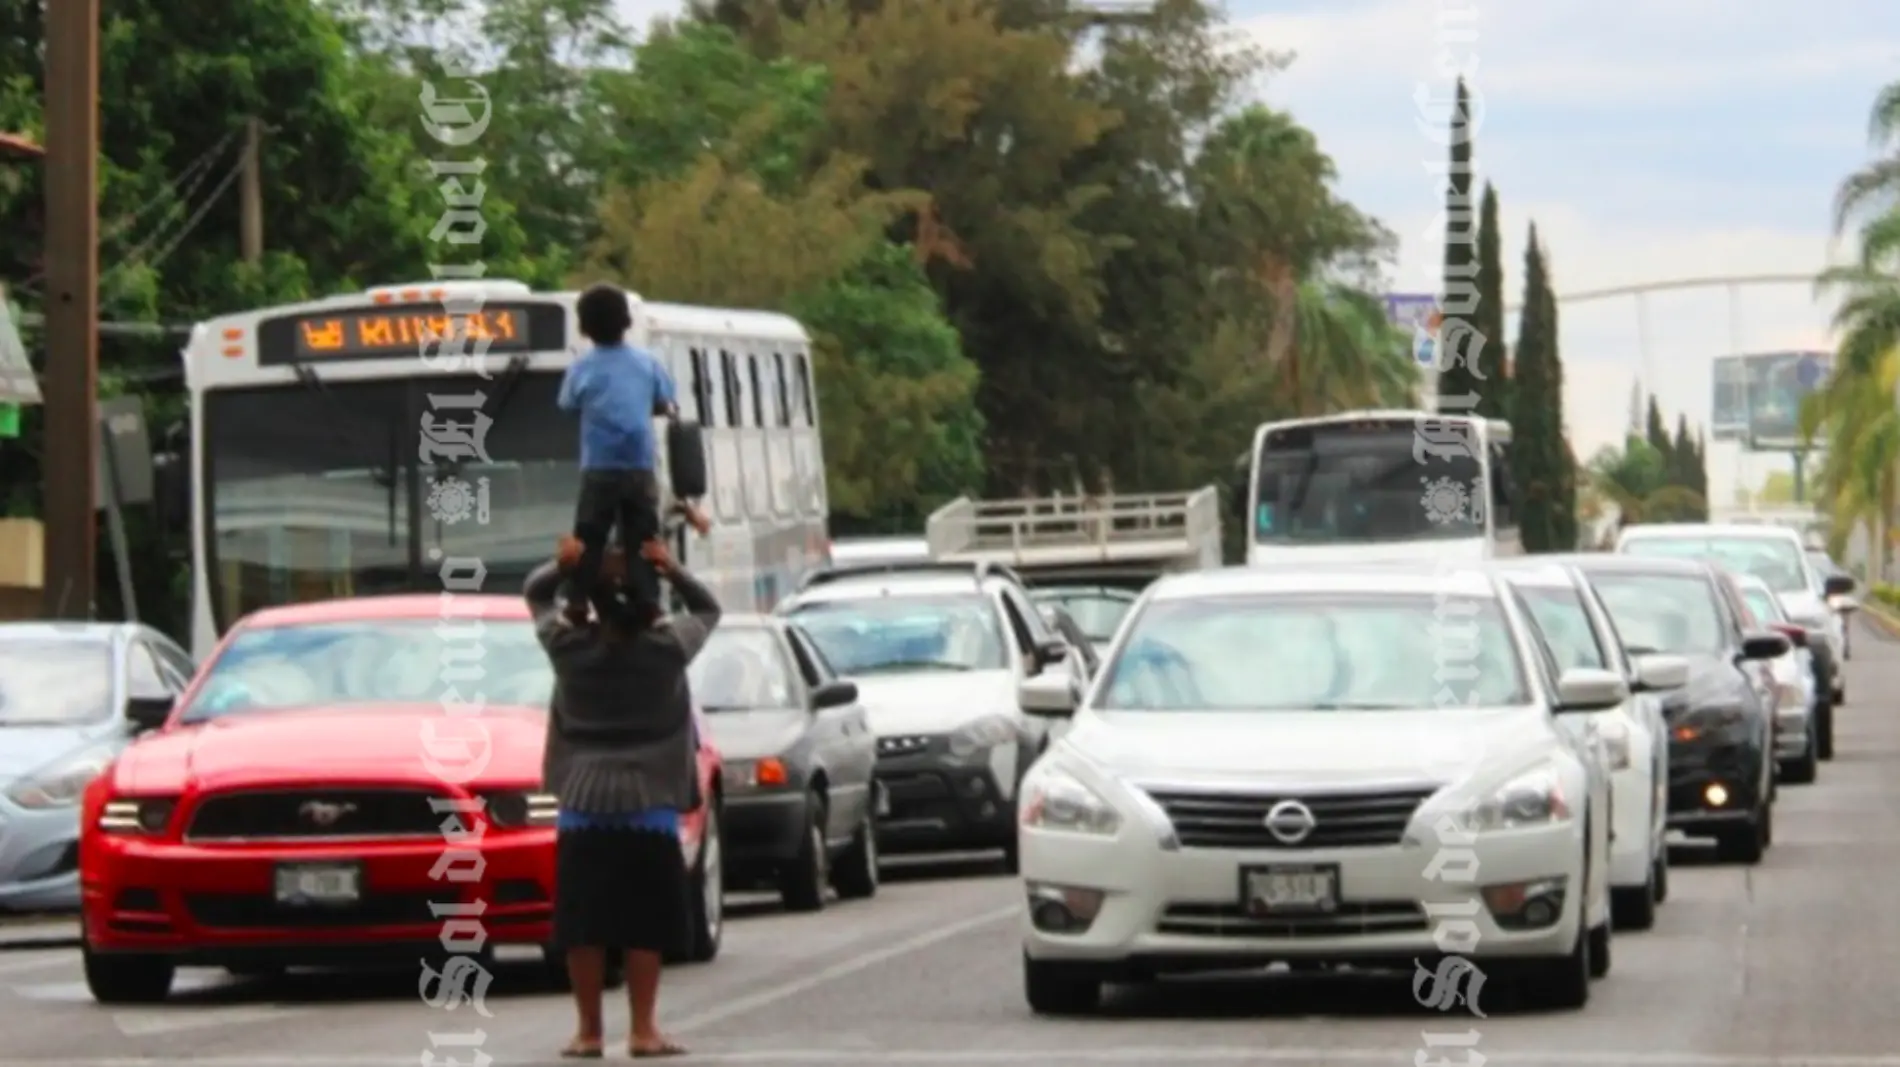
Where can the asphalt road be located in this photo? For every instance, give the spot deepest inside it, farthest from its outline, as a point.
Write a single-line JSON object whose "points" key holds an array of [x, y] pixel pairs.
{"points": [[1791, 963]]}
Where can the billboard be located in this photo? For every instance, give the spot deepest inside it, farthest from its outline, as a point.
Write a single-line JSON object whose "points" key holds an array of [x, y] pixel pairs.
{"points": [[1758, 397], [1416, 314]]}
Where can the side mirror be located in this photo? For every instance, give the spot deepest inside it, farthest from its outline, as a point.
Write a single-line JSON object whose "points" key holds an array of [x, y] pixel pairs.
{"points": [[1047, 696], [149, 712], [1659, 673], [686, 459], [1764, 645], [1588, 689], [1838, 585], [1051, 652], [1843, 603], [834, 695]]}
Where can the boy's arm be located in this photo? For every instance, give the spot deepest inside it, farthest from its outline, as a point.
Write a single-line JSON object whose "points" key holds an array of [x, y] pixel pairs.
{"points": [[702, 612], [572, 386]]}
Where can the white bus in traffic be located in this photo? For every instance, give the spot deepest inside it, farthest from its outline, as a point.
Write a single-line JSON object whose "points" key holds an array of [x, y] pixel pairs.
{"points": [[1381, 485], [335, 450]]}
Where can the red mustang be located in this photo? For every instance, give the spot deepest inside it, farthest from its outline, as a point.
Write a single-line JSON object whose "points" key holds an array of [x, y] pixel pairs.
{"points": [[355, 781]]}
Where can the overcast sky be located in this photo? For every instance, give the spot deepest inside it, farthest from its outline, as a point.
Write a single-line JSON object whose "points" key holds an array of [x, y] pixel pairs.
{"points": [[1649, 139]]}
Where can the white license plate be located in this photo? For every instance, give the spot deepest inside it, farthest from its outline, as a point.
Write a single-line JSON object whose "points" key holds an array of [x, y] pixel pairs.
{"points": [[883, 804], [319, 883], [1305, 889]]}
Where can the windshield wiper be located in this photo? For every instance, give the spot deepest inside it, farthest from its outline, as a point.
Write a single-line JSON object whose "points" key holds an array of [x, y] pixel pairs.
{"points": [[492, 405], [384, 475], [914, 665]]}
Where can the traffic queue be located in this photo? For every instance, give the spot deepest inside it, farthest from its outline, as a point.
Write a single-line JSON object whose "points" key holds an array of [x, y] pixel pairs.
{"points": [[1348, 765]]}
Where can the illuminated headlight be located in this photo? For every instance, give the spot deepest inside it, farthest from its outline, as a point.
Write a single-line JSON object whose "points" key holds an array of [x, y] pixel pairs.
{"points": [[1056, 800], [517, 810], [145, 815], [1532, 799], [1615, 738], [62, 783], [1706, 721], [982, 735]]}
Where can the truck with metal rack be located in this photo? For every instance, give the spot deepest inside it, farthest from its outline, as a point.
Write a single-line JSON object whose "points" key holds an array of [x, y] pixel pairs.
{"points": [[1124, 540]]}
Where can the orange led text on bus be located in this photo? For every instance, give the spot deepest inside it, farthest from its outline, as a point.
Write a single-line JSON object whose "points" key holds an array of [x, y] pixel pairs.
{"points": [[400, 331]]}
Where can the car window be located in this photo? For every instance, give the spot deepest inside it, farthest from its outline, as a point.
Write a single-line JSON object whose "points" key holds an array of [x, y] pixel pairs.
{"points": [[1762, 605], [1670, 613], [741, 667], [143, 675], [1300, 653], [1098, 614], [1774, 560], [173, 660], [342, 664], [870, 635], [55, 682], [1559, 614]]}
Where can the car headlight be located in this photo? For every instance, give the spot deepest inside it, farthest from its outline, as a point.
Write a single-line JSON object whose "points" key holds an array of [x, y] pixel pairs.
{"points": [[60, 784], [1057, 800], [983, 734], [515, 810], [1615, 738], [1534, 798], [1706, 721], [137, 815]]}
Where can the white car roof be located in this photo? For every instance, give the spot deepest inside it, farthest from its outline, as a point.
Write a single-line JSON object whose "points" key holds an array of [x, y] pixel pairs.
{"points": [[1470, 581], [875, 586], [1704, 531], [1537, 573]]}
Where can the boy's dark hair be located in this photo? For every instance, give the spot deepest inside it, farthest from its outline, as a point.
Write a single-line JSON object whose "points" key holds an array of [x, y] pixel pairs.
{"points": [[604, 317]]}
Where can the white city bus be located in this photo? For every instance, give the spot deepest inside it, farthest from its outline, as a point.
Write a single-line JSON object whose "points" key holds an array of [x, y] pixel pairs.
{"points": [[1381, 485], [332, 456]]}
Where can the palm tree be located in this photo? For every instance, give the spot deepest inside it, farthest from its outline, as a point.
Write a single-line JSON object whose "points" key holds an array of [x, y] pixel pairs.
{"points": [[1855, 414]]}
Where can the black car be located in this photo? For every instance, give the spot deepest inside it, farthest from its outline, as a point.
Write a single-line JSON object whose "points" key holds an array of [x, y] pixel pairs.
{"points": [[1721, 725], [799, 811]]}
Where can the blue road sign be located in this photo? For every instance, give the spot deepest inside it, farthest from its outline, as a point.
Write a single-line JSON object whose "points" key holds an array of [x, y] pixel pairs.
{"points": [[1808, 372]]}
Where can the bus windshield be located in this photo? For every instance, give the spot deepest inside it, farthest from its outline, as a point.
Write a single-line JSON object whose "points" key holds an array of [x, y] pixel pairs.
{"points": [[333, 488], [1363, 483]]}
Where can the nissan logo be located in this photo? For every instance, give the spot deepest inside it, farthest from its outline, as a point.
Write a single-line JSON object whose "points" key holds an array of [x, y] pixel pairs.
{"points": [[323, 814], [1290, 822]]}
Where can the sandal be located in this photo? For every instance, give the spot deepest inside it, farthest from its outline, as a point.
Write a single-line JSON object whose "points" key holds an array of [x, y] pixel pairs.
{"points": [[579, 1051], [666, 1048]]}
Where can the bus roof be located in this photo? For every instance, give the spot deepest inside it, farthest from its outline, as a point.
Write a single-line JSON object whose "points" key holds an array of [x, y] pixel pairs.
{"points": [[1497, 429]]}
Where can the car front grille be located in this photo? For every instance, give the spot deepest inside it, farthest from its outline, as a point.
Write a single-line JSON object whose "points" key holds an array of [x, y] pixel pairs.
{"points": [[1351, 919], [241, 911], [315, 814], [1205, 819]]}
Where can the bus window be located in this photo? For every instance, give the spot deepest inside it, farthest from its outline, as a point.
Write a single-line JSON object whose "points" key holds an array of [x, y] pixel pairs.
{"points": [[779, 391], [730, 366], [758, 394], [702, 389], [1363, 482], [805, 406]]}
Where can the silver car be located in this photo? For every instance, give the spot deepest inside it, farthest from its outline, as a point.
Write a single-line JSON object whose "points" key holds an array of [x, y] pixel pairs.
{"points": [[71, 696]]}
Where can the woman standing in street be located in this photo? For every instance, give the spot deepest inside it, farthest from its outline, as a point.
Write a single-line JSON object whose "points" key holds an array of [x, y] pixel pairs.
{"points": [[621, 756]]}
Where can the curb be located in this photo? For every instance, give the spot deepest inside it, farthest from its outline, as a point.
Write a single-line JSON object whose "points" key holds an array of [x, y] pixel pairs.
{"points": [[39, 932], [1883, 618], [31, 944]]}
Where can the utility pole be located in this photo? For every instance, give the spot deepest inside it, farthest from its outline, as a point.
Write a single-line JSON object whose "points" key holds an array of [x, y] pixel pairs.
{"points": [[72, 305], [251, 204]]}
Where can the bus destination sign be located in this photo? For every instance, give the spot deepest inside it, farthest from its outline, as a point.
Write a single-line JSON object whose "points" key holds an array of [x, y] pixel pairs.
{"points": [[405, 332]]}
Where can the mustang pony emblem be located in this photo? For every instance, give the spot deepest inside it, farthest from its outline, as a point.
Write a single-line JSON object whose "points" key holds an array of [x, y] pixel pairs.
{"points": [[323, 814]]}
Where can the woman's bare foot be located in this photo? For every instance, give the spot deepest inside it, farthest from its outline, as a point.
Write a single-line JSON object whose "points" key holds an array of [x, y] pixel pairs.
{"points": [[582, 1048], [649, 1046]]}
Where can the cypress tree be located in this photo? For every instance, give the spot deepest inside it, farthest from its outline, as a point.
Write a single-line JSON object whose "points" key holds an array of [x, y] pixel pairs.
{"points": [[1458, 383], [1494, 387], [1563, 518], [1682, 456], [1532, 434], [1657, 434]]}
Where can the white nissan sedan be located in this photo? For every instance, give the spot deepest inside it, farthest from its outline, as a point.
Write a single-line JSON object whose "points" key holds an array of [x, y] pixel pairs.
{"points": [[1319, 767]]}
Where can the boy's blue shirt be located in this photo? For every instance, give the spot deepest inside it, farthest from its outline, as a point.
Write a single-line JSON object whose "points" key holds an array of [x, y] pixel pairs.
{"points": [[615, 388]]}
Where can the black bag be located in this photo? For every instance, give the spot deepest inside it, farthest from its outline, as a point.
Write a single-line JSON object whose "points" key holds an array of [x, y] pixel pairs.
{"points": [[686, 459]]}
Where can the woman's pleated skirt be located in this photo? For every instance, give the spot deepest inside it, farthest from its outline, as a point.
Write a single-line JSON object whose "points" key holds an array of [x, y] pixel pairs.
{"points": [[619, 889]]}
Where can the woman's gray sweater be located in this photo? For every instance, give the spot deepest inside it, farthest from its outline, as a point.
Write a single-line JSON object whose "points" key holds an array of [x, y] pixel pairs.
{"points": [[620, 725]]}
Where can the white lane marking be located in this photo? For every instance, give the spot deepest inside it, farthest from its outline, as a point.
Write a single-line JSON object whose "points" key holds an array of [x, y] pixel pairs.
{"points": [[154, 1021], [849, 967], [1191, 1054], [37, 963]]}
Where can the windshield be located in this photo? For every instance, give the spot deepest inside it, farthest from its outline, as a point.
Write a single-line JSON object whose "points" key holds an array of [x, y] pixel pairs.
{"points": [[900, 633], [740, 667], [55, 683], [353, 488], [1762, 604], [1096, 612], [1776, 562], [1337, 484], [394, 661], [1669, 613], [1565, 624], [1301, 653], [1823, 567]]}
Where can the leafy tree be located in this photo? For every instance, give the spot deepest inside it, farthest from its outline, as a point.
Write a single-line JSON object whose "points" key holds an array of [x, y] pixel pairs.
{"points": [[1460, 351], [1675, 503], [1656, 431], [1494, 388]]}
